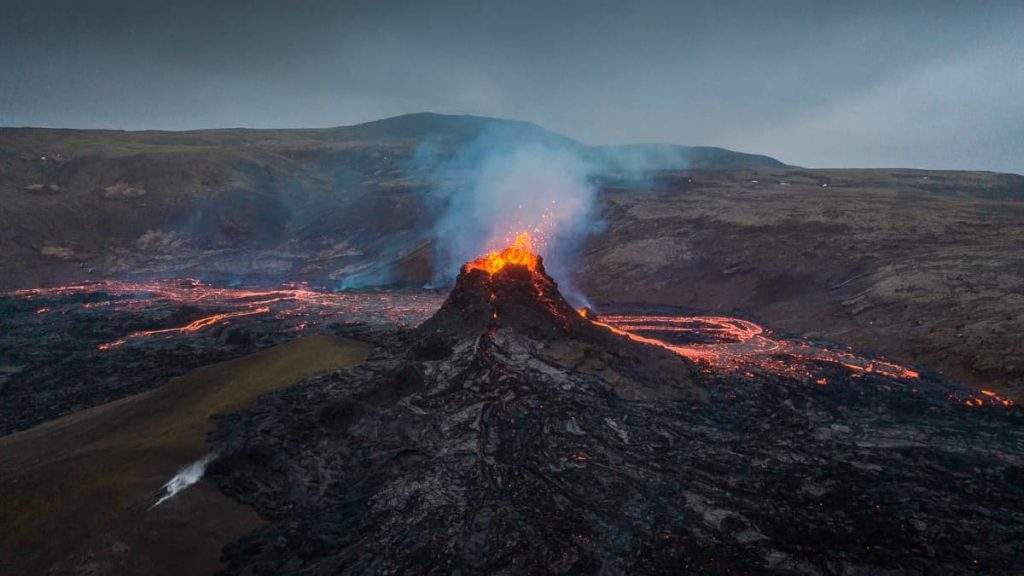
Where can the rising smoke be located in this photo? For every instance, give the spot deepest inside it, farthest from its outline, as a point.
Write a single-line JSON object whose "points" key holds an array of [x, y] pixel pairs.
{"points": [[185, 477], [502, 184]]}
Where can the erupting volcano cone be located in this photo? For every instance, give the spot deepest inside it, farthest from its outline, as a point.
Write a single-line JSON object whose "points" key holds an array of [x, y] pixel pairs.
{"points": [[507, 300], [516, 295]]}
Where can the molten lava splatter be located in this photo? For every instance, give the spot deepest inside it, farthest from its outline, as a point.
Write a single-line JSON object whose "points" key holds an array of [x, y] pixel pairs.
{"points": [[520, 252]]}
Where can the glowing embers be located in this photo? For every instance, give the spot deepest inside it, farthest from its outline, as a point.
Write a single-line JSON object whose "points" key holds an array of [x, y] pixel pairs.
{"points": [[520, 252], [987, 397]]}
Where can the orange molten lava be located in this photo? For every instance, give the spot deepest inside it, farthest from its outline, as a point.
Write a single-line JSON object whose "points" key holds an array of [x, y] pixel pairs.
{"points": [[520, 252], [188, 328], [743, 345]]}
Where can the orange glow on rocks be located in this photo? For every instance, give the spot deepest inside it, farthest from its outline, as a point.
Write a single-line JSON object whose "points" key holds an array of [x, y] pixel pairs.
{"points": [[188, 328], [990, 397], [221, 305], [742, 346], [520, 252]]}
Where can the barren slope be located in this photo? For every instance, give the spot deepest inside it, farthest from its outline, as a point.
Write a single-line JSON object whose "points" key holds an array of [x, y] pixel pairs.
{"points": [[77, 490], [925, 266], [339, 205]]}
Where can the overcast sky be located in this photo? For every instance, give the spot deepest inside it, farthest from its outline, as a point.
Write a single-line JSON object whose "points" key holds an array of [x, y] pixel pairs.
{"points": [[929, 84]]}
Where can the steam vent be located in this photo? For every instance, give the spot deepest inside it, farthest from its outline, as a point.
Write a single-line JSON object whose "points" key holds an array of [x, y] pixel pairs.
{"points": [[509, 434]]}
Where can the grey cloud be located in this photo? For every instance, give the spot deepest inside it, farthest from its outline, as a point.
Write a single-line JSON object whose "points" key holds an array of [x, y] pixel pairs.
{"points": [[929, 84]]}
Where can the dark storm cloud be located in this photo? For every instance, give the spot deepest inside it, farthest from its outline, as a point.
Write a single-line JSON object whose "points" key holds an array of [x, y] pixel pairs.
{"points": [[926, 84]]}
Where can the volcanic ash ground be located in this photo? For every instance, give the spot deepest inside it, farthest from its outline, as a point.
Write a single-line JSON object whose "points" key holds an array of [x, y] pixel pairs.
{"points": [[508, 434]]}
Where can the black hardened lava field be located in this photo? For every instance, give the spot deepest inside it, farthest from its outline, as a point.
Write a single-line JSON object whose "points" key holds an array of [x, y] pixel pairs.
{"points": [[73, 347], [495, 429], [508, 433]]}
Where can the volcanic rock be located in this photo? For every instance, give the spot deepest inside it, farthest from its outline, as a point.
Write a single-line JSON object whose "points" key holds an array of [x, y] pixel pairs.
{"points": [[75, 347], [510, 435], [514, 297], [524, 305]]}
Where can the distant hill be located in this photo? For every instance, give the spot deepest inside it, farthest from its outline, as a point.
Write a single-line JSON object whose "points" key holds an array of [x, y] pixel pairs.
{"points": [[347, 206], [458, 129], [419, 127], [348, 200], [674, 157]]}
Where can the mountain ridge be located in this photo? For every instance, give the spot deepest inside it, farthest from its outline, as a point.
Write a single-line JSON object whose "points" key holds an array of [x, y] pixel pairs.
{"points": [[417, 125]]}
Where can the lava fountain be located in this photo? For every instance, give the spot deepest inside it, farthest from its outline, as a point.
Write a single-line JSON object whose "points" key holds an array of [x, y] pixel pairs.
{"points": [[520, 253]]}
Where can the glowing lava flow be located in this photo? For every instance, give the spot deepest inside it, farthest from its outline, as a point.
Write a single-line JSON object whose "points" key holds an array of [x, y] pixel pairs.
{"points": [[987, 397], [716, 342], [736, 344], [193, 326], [291, 307]]}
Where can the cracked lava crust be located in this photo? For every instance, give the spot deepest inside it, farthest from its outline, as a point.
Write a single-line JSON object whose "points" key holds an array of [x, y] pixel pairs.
{"points": [[510, 434]]}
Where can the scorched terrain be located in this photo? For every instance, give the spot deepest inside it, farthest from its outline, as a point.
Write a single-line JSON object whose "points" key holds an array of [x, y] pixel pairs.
{"points": [[779, 370]]}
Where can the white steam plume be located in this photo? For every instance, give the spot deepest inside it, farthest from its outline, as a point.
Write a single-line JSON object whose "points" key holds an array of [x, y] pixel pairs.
{"points": [[185, 477], [509, 188]]}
